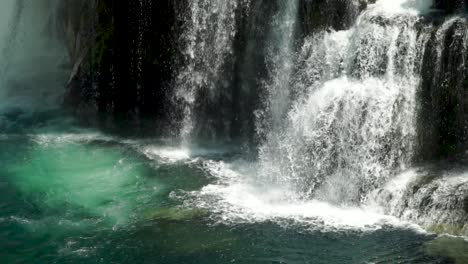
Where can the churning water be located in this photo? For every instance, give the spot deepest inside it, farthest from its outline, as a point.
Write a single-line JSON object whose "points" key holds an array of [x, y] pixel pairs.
{"points": [[341, 121], [334, 180], [350, 125]]}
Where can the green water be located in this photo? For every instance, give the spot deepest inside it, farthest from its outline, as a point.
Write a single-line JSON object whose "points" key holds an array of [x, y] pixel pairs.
{"points": [[69, 195]]}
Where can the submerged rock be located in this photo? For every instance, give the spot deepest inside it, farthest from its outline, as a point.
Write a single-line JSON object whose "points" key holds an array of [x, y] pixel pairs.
{"points": [[174, 214], [437, 200], [452, 247]]}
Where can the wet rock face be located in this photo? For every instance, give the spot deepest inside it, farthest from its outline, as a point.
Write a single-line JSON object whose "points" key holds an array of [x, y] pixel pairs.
{"points": [[465, 202], [137, 46], [450, 6], [445, 209], [78, 21], [78, 18], [124, 54], [128, 55], [443, 93], [437, 200], [136, 41], [318, 15]]}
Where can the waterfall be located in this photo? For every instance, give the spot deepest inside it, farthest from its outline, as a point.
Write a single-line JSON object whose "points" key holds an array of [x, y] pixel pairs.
{"points": [[352, 125], [208, 37], [341, 116], [280, 61], [436, 196], [33, 72]]}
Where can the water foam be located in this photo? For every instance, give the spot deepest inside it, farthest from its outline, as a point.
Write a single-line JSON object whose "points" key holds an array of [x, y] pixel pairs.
{"points": [[403, 6], [63, 138], [234, 198], [167, 154]]}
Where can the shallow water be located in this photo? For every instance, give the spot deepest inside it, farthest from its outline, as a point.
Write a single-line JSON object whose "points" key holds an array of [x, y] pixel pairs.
{"points": [[70, 195]]}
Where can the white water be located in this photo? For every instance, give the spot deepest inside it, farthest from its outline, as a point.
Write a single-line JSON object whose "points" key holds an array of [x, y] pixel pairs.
{"points": [[352, 125], [208, 38], [234, 198], [280, 61], [404, 6]]}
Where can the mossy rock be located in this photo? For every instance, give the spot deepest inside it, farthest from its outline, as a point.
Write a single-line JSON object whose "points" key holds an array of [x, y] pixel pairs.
{"points": [[188, 232], [454, 248], [424, 181], [104, 32], [174, 214], [456, 230]]}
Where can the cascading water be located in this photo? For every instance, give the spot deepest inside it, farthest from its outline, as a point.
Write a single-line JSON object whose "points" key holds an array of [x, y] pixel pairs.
{"points": [[342, 118], [208, 38], [352, 125], [280, 62], [345, 125], [437, 196]]}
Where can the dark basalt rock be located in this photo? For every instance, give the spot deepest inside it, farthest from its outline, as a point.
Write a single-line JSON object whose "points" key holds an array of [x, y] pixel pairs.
{"points": [[436, 199], [465, 202], [135, 49], [451, 6], [444, 108], [318, 15], [124, 55], [78, 20]]}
